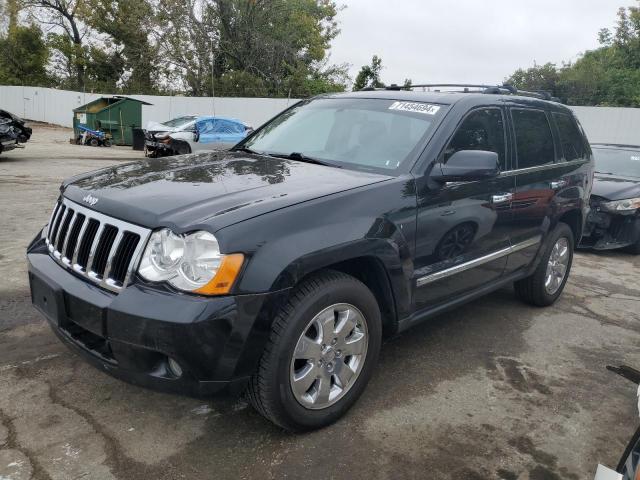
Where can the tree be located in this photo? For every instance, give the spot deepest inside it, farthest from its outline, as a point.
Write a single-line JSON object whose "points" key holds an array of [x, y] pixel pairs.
{"points": [[65, 17], [23, 57], [369, 75], [257, 47], [127, 23], [607, 76], [537, 78]]}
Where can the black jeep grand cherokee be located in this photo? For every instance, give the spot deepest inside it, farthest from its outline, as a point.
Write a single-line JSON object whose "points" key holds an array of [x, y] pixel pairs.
{"points": [[278, 267]]}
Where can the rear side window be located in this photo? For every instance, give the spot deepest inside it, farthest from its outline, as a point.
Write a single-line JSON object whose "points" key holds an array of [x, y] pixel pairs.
{"points": [[572, 143], [534, 141], [481, 130]]}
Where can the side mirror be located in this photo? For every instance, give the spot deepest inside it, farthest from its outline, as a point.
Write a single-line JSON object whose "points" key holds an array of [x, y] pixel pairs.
{"points": [[196, 134], [467, 166]]}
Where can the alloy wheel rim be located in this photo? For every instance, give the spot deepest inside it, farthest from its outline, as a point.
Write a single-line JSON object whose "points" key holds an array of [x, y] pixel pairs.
{"points": [[329, 356], [557, 266]]}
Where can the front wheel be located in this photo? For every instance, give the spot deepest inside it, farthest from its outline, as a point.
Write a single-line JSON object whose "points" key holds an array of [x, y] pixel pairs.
{"points": [[322, 350], [546, 284]]}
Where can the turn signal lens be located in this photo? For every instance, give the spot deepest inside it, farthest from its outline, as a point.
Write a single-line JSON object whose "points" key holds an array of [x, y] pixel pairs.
{"points": [[225, 277]]}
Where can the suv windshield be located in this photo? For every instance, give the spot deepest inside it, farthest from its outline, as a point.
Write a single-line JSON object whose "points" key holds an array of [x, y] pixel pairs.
{"points": [[366, 134], [615, 161]]}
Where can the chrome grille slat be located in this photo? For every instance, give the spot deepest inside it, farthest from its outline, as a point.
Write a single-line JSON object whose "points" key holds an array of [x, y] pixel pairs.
{"points": [[68, 227], [94, 248], [56, 228], [62, 232], [51, 220], [112, 252], [65, 243], [76, 250]]}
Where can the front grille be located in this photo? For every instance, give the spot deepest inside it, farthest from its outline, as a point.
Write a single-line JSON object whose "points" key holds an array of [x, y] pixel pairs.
{"points": [[100, 248]]}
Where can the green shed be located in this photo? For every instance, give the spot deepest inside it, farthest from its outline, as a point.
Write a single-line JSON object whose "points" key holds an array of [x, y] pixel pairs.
{"points": [[115, 115]]}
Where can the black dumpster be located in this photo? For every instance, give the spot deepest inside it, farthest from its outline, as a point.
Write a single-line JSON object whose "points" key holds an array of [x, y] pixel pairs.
{"points": [[138, 138]]}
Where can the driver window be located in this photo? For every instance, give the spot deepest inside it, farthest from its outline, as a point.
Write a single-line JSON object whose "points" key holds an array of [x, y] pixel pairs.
{"points": [[483, 129]]}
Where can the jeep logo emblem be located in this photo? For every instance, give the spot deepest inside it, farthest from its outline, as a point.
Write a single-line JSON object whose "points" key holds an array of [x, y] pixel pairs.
{"points": [[91, 200]]}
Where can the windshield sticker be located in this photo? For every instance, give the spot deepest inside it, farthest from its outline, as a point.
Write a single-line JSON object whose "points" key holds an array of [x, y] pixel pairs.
{"points": [[635, 159], [415, 107]]}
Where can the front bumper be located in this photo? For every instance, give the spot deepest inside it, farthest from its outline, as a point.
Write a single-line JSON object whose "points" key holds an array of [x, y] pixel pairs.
{"points": [[158, 147], [606, 231], [217, 341]]}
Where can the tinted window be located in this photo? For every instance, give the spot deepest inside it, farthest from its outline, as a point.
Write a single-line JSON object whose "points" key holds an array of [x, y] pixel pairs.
{"points": [[359, 133], [570, 136], [534, 141], [481, 130]]}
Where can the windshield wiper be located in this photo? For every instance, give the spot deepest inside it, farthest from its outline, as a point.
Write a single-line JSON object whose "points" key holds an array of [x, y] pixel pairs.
{"points": [[605, 173], [246, 150], [303, 158]]}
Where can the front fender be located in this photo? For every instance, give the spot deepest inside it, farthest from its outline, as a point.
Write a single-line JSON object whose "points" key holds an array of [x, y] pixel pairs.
{"points": [[283, 247]]}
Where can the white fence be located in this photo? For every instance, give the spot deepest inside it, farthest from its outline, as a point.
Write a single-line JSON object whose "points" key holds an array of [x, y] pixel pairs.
{"points": [[610, 124], [602, 124], [56, 106]]}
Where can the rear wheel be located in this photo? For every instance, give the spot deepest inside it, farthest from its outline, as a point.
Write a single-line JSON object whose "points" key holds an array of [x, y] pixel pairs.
{"points": [[323, 346], [545, 285], [94, 142]]}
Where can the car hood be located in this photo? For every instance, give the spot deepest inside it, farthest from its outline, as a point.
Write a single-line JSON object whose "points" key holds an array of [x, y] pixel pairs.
{"points": [[159, 127], [613, 187], [209, 190]]}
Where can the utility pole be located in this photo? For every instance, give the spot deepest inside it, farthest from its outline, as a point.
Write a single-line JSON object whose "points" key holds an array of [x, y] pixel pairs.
{"points": [[213, 87]]}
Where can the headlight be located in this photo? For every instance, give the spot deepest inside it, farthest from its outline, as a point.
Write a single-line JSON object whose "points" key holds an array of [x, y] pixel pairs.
{"points": [[190, 262], [622, 205]]}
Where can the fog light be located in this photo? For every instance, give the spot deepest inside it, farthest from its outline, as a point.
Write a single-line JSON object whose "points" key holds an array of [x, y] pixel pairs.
{"points": [[174, 368]]}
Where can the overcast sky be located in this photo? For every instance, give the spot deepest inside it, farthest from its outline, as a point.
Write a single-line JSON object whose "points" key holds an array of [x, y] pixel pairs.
{"points": [[465, 40]]}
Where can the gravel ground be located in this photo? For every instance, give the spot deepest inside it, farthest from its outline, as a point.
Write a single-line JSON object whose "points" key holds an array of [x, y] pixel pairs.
{"points": [[492, 390]]}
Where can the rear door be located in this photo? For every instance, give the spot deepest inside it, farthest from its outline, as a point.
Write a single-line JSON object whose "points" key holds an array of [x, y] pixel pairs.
{"points": [[545, 177], [462, 238]]}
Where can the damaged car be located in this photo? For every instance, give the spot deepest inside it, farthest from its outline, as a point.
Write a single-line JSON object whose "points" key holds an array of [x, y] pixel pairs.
{"points": [[614, 220], [13, 131], [191, 134]]}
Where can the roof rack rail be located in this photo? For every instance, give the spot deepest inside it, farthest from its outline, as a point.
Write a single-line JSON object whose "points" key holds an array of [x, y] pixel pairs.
{"points": [[487, 89]]}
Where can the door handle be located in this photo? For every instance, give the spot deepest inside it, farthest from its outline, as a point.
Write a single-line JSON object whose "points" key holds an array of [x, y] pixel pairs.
{"points": [[501, 198], [558, 184]]}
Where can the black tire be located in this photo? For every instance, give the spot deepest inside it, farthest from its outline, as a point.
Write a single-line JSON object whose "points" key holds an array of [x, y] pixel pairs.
{"points": [[269, 389], [532, 289], [107, 143], [94, 142]]}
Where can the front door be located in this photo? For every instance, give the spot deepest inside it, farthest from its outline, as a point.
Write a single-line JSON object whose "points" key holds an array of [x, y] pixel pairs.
{"points": [[462, 238]]}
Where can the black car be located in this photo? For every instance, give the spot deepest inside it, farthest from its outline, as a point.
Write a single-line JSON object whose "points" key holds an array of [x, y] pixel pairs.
{"points": [[276, 268], [13, 131], [614, 220]]}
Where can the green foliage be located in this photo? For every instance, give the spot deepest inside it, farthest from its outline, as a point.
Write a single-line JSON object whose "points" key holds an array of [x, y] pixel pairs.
{"points": [[543, 77], [194, 47], [23, 57], [369, 75], [607, 76], [127, 22]]}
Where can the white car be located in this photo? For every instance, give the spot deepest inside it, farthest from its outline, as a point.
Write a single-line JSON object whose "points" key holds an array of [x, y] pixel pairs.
{"points": [[189, 134]]}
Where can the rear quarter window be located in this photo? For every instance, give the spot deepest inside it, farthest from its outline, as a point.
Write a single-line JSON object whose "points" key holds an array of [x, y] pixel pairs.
{"points": [[573, 146], [534, 140]]}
